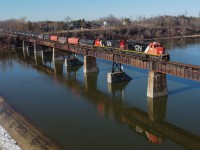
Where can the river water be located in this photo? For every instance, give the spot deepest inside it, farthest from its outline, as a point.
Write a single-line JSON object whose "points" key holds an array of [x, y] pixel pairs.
{"points": [[84, 112]]}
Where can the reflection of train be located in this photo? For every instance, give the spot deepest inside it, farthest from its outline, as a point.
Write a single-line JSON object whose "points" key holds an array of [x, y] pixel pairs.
{"points": [[152, 50], [152, 138]]}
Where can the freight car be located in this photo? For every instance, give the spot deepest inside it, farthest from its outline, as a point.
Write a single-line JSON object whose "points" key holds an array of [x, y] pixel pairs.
{"points": [[73, 40], [62, 40], [46, 36], [34, 35], [40, 36], [86, 42], [53, 38]]}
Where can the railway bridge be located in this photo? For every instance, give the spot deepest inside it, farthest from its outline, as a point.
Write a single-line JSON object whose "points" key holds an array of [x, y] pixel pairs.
{"points": [[157, 84]]}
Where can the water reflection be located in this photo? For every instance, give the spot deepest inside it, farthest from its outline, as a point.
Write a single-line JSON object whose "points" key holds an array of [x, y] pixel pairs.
{"points": [[90, 82], [157, 108], [72, 72], [6, 60], [183, 43], [151, 125]]}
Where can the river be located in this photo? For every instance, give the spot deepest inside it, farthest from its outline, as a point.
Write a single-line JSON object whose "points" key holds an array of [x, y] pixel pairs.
{"points": [[84, 112]]}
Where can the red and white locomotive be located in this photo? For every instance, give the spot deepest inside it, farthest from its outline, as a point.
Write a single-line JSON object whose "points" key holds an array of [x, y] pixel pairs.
{"points": [[150, 50]]}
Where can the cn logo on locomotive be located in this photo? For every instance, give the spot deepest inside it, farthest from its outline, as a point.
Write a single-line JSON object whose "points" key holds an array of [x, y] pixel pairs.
{"points": [[138, 47], [109, 43]]}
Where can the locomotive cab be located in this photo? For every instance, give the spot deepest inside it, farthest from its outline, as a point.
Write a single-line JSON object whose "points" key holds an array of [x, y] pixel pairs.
{"points": [[122, 44], [155, 48], [98, 43]]}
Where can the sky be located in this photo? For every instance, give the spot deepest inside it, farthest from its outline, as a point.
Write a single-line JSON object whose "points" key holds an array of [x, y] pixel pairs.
{"points": [[58, 10]]}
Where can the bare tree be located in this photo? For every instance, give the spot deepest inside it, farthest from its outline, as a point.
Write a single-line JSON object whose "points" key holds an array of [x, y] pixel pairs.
{"points": [[68, 19], [22, 23]]}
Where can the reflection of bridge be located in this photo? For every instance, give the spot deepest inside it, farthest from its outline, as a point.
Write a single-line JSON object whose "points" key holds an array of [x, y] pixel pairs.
{"points": [[149, 123], [157, 84]]}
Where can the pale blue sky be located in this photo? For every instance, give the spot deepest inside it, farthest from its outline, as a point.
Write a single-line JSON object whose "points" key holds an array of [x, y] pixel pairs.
{"points": [[36, 10]]}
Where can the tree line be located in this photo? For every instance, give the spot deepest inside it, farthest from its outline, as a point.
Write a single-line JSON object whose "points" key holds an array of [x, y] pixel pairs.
{"points": [[112, 27]]}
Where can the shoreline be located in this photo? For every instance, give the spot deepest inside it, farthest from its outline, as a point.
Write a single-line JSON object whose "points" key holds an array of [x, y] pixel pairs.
{"points": [[176, 37], [27, 137]]}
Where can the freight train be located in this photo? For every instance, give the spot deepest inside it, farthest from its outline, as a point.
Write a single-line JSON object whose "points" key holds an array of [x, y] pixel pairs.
{"points": [[153, 50]]}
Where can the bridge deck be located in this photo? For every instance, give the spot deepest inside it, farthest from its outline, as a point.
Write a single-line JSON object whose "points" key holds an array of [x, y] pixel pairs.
{"points": [[173, 68]]}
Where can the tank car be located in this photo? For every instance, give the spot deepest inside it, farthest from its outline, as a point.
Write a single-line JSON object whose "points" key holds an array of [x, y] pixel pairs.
{"points": [[53, 38], [73, 40], [62, 40]]}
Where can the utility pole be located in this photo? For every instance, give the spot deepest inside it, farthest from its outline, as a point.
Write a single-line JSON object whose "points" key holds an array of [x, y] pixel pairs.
{"points": [[185, 12], [10, 27]]}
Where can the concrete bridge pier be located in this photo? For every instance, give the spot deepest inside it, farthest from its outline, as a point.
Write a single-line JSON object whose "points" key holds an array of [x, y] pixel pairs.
{"points": [[72, 61], [26, 46], [35, 52], [57, 63], [53, 59], [23, 47], [157, 85], [53, 55], [46, 55], [42, 56], [27, 50], [117, 74], [90, 64]]}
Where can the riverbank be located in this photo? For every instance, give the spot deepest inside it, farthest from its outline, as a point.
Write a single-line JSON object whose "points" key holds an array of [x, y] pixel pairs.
{"points": [[27, 137], [6, 142]]}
